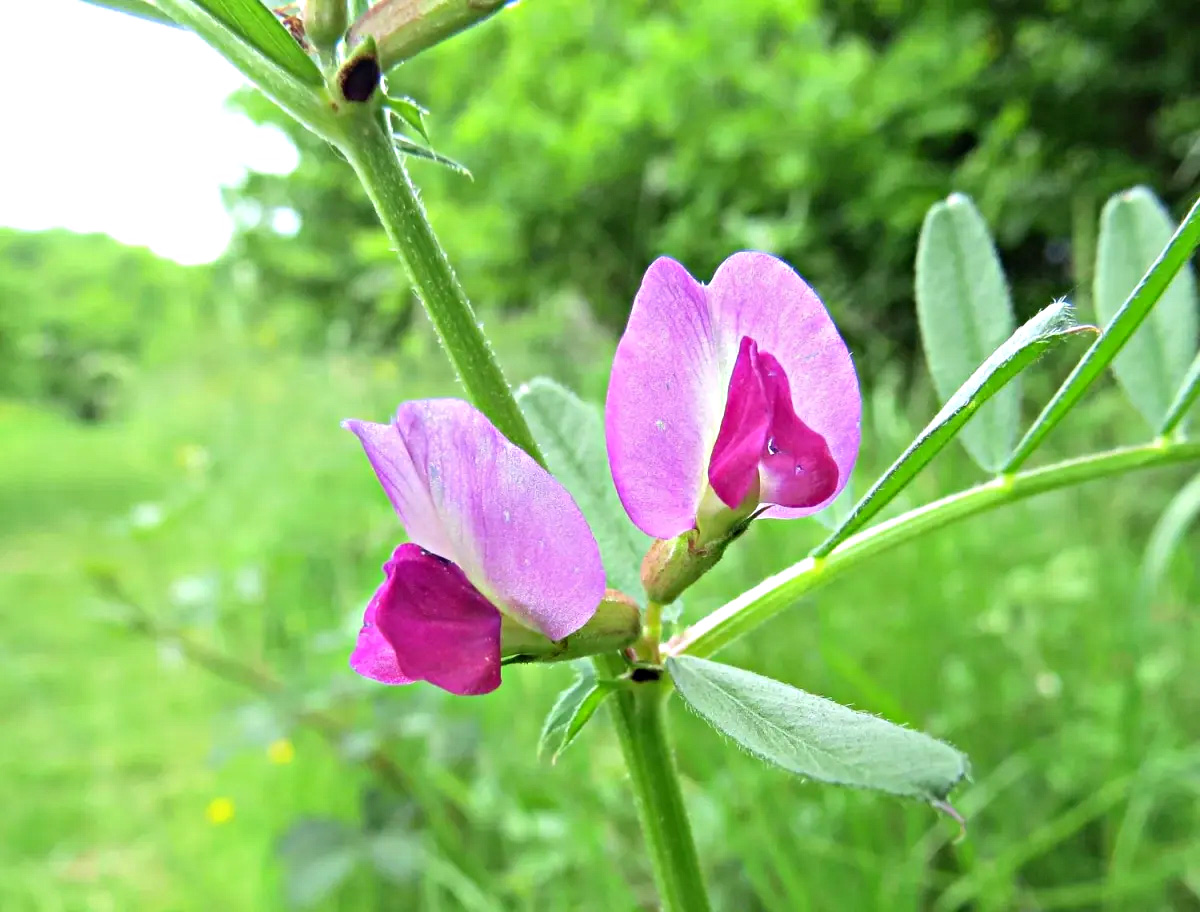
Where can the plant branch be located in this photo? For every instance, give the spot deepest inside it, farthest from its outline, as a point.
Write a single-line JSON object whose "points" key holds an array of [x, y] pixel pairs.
{"points": [[774, 594], [638, 716], [369, 150]]}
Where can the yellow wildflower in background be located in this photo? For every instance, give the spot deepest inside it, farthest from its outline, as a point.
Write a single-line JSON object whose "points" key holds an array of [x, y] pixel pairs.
{"points": [[219, 811], [281, 751]]}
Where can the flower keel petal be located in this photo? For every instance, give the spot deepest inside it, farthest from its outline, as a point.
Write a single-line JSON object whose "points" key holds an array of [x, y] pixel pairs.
{"points": [[373, 656], [742, 439], [440, 627], [797, 467]]}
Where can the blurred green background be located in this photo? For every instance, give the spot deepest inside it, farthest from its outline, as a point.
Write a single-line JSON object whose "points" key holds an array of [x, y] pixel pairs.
{"points": [[186, 538]]}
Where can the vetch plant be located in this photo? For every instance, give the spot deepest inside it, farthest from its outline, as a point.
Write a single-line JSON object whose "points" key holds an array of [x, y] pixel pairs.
{"points": [[730, 402]]}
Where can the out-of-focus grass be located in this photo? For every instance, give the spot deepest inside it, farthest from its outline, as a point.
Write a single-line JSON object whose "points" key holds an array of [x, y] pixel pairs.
{"points": [[227, 500]]}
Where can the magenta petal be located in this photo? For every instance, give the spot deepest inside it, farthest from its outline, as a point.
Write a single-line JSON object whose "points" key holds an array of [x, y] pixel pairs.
{"points": [[757, 295], [742, 439], [797, 467], [373, 656], [665, 402], [463, 491], [439, 626]]}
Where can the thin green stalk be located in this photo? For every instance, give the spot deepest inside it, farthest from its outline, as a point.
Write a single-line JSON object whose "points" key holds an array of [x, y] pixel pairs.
{"points": [[1189, 390], [369, 150], [778, 592], [638, 716], [1122, 326]]}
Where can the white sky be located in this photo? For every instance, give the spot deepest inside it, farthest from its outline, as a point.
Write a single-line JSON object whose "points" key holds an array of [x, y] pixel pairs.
{"points": [[119, 125]]}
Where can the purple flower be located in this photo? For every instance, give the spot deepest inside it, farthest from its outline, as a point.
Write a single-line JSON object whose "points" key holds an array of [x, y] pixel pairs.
{"points": [[494, 537], [729, 395]]}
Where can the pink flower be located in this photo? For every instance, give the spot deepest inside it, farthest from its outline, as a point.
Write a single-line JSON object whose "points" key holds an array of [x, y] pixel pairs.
{"points": [[492, 535], [729, 395]]}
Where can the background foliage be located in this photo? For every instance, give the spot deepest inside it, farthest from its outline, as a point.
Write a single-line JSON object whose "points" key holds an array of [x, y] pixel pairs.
{"points": [[603, 135], [169, 453]]}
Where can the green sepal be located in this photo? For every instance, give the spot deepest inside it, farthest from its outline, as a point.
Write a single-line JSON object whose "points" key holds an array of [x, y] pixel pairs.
{"points": [[616, 624]]}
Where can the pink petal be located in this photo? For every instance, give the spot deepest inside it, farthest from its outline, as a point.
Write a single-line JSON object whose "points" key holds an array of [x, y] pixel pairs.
{"points": [[463, 491], [666, 397], [440, 628], [405, 484], [757, 295], [742, 439]]}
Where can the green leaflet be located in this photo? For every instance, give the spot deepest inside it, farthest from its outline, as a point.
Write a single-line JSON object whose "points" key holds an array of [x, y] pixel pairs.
{"points": [[571, 712], [815, 737], [965, 314]]}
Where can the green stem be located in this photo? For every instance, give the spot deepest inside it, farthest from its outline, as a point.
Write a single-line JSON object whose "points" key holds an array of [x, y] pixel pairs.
{"points": [[1118, 331], [638, 716], [652, 632], [369, 150], [778, 592], [1189, 391]]}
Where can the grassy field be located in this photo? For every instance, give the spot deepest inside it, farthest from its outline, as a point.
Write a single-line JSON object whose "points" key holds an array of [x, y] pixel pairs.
{"points": [[226, 503]]}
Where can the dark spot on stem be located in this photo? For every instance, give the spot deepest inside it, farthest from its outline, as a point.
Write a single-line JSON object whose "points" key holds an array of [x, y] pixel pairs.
{"points": [[641, 675], [359, 79]]}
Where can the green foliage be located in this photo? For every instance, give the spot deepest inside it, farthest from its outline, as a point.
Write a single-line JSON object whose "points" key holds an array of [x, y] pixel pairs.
{"points": [[78, 312], [965, 314], [318, 855], [1170, 535], [572, 710], [570, 433], [225, 495], [1134, 229], [334, 277], [1116, 333], [602, 136], [815, 737]]}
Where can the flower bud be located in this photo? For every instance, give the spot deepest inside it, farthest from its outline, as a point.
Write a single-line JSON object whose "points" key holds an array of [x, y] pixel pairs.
{"points": [[616, 624], [670, 566], [404, 28], [325, 22]]}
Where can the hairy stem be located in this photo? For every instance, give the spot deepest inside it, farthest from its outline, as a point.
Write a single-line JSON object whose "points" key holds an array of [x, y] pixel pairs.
{"points": [[778, 592], [638, 716], [369, 150]]}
